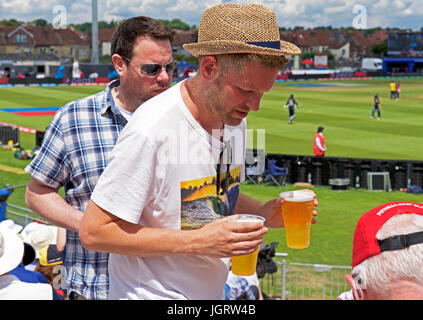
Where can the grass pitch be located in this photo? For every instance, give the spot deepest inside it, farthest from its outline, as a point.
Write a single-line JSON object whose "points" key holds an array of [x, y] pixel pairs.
{"points": [[344, 109]]}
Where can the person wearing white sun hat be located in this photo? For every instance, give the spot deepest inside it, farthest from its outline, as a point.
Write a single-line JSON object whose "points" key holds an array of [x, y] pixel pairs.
{"points": [[21, 271], [11, 288], [39, 235], [12, 225]]}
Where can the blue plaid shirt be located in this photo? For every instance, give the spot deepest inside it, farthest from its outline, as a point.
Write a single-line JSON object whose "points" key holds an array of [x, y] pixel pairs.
{"points": [[74, 153]]}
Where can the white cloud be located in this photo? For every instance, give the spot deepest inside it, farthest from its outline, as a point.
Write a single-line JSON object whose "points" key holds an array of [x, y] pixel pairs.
{"points": [[399, 4], [19, 8], [382, 5], [334, 10]]}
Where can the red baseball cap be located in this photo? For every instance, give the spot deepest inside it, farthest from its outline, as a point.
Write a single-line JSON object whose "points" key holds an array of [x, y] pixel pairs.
{"points": [[365, 243]]}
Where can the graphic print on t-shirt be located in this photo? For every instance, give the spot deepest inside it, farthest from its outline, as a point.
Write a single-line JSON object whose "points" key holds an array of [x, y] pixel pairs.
{"points": [[200, 203]]}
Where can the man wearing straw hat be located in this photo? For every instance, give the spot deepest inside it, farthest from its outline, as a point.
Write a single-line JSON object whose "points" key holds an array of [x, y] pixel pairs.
{"points": [[164, 205]]}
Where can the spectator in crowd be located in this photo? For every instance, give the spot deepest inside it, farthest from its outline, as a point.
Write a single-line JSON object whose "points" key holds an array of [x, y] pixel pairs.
{"points": [[50, 260], [187, 72], [61, 239], [397, 90], [50, 265], [28, 257], [11, 225], [387, 256], [79, 140], [29, 254], [11, 288], [242, 287], [6, 72], [376, 108], [392, 90], [26, 275], [167, 218], [42, 236], [319, 144], [291, 103]]}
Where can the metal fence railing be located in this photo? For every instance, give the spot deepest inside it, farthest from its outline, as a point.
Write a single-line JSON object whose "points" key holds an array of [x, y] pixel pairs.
{"points": [[316, 281], [274, 284], [300, 281], [21, 215]]}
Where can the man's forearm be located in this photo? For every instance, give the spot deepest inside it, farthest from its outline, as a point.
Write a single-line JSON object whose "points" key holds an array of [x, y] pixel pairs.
{"points": [[271, 210], [246, 204], [51, 206], [103, 231]]}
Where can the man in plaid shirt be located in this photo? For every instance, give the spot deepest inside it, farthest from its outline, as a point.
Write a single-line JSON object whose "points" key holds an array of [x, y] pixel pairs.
{"points": [[80, 138]]}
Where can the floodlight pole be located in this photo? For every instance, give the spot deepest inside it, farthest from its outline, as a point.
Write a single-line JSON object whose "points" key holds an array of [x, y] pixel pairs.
{"points": [[94, 33]]}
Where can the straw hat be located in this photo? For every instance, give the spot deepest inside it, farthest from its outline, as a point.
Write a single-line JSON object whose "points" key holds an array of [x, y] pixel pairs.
{"points": [[239, 28]]}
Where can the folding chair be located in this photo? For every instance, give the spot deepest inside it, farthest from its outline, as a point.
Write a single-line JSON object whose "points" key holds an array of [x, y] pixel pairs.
{"points": [[251, 172], [255, 171], [275, 174]]}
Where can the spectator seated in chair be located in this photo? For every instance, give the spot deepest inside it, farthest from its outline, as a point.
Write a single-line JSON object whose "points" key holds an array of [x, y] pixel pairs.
{"points": [[275, 174]]}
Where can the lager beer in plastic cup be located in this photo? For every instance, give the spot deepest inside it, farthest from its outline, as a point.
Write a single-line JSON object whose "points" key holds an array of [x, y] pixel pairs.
{"points": [[245, 265], [297, 211]]}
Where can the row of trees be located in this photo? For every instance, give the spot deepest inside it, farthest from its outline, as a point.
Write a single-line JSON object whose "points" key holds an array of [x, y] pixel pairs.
{"points": [[86, 26], [173, 24], [367, 32]]}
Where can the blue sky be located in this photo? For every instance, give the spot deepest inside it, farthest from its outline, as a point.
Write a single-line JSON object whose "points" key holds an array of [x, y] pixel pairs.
{"points": [[290, 13]]}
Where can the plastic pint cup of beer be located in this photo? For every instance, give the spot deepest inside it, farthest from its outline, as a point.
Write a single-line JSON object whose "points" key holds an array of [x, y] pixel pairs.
{"points": [[297, 211], [245, 265]]}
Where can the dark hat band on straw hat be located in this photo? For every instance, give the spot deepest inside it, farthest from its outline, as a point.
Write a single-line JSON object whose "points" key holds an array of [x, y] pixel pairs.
{"points": [[266, 44]]}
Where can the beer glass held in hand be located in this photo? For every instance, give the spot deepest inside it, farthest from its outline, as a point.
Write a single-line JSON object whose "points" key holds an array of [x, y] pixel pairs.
{"points": [[245, 265], [297, 211]]}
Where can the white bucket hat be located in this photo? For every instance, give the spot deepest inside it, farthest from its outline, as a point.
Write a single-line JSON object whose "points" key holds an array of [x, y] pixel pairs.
{"points": [[39, 235], [11, 250], [29, 228], [11, 225]]}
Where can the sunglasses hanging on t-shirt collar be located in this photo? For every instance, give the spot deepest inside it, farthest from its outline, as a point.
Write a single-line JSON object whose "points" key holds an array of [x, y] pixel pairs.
{"points": [[225, 158]]}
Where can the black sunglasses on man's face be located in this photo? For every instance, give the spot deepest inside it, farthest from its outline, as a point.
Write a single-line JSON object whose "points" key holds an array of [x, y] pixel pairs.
{"points": [[153, 69]]}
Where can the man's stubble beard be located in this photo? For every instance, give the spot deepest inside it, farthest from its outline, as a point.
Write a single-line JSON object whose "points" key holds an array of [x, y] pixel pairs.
{"points": [[215, 104]]}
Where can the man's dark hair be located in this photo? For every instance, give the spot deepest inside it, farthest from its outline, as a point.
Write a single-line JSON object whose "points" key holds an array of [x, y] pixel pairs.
{"points": [[129, 30], [320, 129]]}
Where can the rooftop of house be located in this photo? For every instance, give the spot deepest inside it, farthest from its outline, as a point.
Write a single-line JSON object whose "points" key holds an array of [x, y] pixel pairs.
{"points": [[39, 36]]}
